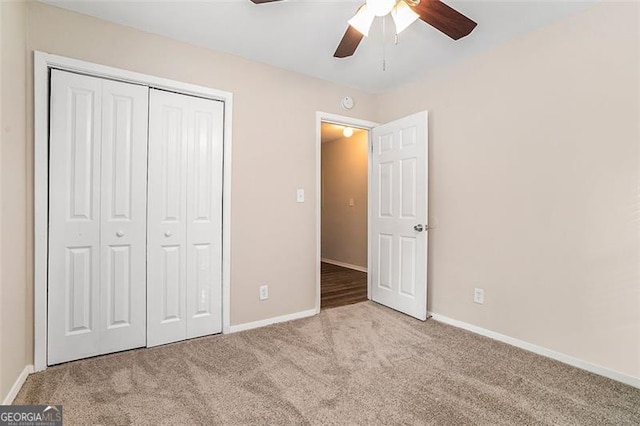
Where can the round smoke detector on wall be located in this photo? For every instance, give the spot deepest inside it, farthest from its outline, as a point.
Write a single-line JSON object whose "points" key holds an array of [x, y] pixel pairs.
{"points": [[347, 102]]}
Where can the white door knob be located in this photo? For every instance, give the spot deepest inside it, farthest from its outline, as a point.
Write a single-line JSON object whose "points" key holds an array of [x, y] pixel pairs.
{"points": [[120, 233], [167, 233]]}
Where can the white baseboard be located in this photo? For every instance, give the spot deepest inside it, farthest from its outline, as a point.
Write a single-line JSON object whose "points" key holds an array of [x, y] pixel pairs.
{"points": [[344, 265], [274, 320], [575, 362], [13, 392]]}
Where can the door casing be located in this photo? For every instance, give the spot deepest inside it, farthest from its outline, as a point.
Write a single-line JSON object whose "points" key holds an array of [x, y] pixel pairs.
{"points": [[43, 63], [351, 122]]}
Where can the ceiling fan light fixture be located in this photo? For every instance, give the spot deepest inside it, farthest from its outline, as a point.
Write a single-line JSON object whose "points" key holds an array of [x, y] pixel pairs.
{"points": [[362, 20], [403, 16], [381, 7]]}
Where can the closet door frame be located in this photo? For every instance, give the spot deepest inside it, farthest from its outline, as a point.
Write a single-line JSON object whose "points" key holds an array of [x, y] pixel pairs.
{"points": [[43, 63]]}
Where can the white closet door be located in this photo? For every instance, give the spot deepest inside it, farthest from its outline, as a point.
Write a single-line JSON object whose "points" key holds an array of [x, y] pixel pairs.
{"points": [[167, 211], [124, 216], [97, 217], [74, 217], [184, 217], [204, 219]]}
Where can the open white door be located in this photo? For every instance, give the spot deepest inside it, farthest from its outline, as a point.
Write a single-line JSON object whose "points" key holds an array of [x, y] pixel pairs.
{"points": [[399, 195]]}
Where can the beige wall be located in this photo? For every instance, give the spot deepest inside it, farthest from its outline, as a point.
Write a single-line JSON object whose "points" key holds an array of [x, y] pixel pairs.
{"points": [[534, 171], [344, 176], [15, 295]]}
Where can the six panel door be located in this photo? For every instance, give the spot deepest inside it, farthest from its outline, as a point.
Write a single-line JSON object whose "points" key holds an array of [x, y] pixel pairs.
{"points": [[97, 208], [184, 217], [399, 215]]}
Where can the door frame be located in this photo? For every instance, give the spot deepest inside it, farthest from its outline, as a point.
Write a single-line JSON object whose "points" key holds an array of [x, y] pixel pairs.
{"points": [[351, 122], [43, 63]]}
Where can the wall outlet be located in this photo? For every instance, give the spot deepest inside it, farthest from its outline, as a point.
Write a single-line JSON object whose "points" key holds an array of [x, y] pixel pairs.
{"points": [[478, 295], [264, 292], [351, 203]]}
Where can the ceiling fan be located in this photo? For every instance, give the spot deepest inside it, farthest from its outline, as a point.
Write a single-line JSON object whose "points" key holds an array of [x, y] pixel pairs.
{"points": [[404, 13]]}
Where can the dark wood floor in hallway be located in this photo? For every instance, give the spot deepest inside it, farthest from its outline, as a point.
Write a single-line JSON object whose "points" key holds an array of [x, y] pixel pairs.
{"points": [[341, 286]]}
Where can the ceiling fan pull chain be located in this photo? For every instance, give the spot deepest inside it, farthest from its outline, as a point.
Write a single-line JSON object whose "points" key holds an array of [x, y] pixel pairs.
{"points": [[384, 39]]}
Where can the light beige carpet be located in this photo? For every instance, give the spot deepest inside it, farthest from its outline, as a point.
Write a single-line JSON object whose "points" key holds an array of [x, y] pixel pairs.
{"points": [[358, 364]]}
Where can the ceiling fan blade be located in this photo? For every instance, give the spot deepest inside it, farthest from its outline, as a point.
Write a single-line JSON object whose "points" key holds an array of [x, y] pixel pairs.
{"points": [[444, 18], [349, 43], [263, 1]]}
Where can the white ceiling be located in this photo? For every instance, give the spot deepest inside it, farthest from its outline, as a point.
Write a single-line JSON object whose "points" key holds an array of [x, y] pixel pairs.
{"points": [[301, 35]]}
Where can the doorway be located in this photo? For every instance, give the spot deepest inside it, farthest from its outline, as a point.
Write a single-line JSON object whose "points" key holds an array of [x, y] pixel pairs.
{"points": [[397, 211], [344, 170]]}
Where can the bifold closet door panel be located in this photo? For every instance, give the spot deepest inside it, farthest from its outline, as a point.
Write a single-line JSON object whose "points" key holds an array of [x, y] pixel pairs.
{"points": [[97, 216], [167, 211], [74, 217], [123, 191], [184, 217], [204, 219]]}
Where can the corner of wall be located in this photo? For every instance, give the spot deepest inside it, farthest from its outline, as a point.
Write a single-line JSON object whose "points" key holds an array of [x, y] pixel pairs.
{"points": [[15, 320]]}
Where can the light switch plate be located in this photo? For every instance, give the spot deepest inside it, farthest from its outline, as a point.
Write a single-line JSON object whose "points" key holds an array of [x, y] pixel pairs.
{"points": [[300, 196], [264, 292]]}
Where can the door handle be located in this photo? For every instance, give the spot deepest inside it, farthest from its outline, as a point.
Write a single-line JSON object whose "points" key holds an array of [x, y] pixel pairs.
{"points": [[120, 233], [418, 228], [167, 233]]}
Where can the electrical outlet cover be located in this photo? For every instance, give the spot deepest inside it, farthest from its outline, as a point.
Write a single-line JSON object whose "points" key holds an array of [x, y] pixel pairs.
{"points": [[478, 295]]}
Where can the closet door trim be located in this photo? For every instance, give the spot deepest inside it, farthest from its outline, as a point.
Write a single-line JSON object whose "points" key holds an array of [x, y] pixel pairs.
{"points": [[43, 63]]}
